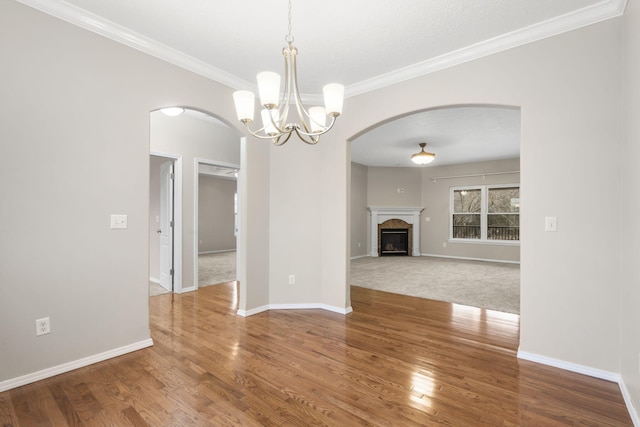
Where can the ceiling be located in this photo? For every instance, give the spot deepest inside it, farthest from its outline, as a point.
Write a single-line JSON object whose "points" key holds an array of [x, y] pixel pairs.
{"points": [[455, 135], [362, 44]]}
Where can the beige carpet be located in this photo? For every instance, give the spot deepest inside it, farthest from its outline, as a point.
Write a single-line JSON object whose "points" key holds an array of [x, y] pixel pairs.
{"points": [[156, 289], [216, 268], [491, 285], [213, 269]]}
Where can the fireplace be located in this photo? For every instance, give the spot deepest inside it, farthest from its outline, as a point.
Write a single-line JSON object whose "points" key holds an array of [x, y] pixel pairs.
{"points": [[394, 242], [406, 219]]}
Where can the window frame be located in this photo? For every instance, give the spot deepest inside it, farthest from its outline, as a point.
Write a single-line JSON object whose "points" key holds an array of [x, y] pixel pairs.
{"points": [[484, 213]]}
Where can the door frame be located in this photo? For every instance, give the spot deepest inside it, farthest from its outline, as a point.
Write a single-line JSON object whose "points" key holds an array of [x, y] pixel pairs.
{"points": [[197, 161], [167, 210], [177, 218]]}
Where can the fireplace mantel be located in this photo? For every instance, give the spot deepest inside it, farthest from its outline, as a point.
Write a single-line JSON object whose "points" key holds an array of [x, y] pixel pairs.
{"points": [[410, 215]]}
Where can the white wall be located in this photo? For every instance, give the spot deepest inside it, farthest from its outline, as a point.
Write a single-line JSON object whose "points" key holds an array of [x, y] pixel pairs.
{"points": [[630, 295]]}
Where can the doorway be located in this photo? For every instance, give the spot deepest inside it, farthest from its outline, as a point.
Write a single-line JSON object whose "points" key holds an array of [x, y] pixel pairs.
{"points": [[188, 138], [165, 224], [216, 224]]}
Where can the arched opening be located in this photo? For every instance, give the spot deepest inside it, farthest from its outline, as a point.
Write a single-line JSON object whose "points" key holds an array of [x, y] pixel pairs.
{"points": [[205, 151], [477, 150]]}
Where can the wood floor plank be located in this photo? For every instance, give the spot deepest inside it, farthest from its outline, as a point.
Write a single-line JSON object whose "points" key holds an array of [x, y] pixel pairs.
{"points": [[395, 360]]}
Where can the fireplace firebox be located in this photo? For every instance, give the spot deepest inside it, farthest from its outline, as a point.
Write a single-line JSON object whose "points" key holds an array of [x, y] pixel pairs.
{"points": [[394, 242]]}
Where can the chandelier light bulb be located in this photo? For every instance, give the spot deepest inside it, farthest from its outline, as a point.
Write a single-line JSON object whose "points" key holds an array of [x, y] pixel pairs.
{"points": [[269, 88], [244, 101]]}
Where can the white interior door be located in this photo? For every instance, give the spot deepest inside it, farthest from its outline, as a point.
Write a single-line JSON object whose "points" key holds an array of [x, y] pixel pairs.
{"points": [[166, 225]]}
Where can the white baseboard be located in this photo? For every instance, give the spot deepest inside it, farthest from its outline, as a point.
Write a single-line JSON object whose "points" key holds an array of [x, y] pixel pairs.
{"points": [[635, 417], [247, 313], [360, 256], [70, 366], [154, 280], [586, 370], [216, 252], [504, 261], [335, 309], [567, 366]]}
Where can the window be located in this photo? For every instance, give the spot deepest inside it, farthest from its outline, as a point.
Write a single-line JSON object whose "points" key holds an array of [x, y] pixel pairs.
{"points": [[485, 213]]}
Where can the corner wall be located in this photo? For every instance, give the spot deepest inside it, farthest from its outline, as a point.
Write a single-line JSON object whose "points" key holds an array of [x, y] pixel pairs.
{"points": [[630, 295]]}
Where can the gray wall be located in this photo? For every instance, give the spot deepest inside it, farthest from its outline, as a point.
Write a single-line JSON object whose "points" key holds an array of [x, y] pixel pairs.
{"points": [[630, 290], [79, 132], [380, 184], [360, 239], [570, 93], [75, 135], [434, 234], [192, 139], [394, 186], [216, 220], [154, 217]]}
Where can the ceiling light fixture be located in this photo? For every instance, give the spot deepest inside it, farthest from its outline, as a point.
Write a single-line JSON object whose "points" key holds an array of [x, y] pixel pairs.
{"points": [[423, 157], [172, 111], [275, 124]]}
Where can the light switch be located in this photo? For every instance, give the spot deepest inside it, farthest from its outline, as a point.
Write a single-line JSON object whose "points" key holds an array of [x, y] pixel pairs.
{"points": [[118, 221], [550, 223]]}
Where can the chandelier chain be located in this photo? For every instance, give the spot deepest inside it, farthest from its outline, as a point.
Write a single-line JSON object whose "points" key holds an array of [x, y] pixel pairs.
{"points": [[289, 37]]}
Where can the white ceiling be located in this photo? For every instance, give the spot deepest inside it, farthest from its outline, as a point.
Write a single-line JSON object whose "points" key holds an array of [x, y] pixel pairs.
{"points": [[362, 44], [455, 135]]}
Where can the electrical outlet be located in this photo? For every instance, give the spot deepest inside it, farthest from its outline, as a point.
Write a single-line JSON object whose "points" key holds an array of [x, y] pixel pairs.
{"points": [[292, 279], [43, 326]]}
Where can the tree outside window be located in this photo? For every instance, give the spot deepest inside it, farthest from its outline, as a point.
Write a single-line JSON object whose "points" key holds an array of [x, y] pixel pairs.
{"points": [[467, 210], [486, 213]]}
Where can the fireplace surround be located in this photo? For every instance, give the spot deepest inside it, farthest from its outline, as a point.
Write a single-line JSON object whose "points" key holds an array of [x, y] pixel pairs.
{"points": [[408, 218]]}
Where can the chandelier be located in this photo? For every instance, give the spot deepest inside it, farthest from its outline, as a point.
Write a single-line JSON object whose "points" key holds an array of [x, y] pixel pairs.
{"points": [[275, 108], [423, 157]]}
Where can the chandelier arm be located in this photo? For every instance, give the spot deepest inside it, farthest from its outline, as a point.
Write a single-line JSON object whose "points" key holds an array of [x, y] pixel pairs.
{"points": [[320, 132], [281, 131], [257, 133], [311, 140], [276, 141]]}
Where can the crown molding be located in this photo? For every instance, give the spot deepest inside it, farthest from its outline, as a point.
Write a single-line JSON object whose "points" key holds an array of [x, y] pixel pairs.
{"points": [[120, 34], [602, 11], [581, 18]]}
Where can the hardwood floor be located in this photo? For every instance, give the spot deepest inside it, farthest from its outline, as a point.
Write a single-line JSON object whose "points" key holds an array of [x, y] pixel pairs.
{"points": [[394, 361]]}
